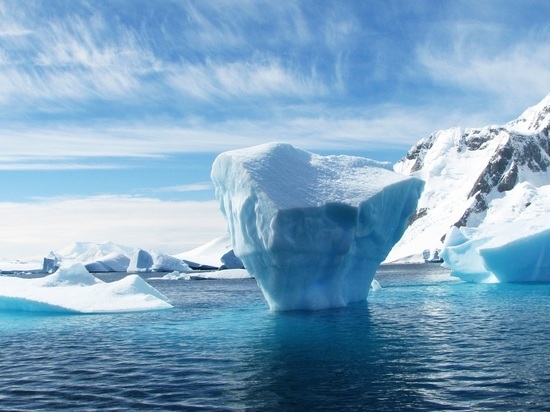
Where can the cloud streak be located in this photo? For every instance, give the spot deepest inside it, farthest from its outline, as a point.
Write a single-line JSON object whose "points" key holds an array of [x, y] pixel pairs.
{"points": [[194, 187], [225, 63], [502, 59], [71, 59], [392, 126]]}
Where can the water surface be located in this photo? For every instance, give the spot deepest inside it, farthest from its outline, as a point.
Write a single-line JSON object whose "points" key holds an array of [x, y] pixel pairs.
{"points": [[424, 342]]}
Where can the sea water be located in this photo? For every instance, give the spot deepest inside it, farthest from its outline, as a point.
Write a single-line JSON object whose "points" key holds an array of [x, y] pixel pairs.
{"points": [[425, 341]]}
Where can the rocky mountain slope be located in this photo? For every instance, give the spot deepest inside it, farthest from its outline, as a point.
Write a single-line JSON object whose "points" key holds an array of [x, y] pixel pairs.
{"points": [[468, 171]]}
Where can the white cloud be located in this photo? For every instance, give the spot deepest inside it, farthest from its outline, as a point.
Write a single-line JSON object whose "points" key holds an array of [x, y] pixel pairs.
{"points": [[55, 166], [230, 26], [477, 59], [214, 81], [30, 229], [70, 59], [304, 126]]}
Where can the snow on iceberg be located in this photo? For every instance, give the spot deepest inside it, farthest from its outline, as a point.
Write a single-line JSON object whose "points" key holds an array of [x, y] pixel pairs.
{"points": [[73, 289], [312, 230], [511, 247]]}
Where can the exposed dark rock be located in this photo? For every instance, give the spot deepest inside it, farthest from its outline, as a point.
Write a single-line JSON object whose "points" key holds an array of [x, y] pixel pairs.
{"points": [[418, 152], [494, 170], [418, 214], [476, 140], [509, 179]]}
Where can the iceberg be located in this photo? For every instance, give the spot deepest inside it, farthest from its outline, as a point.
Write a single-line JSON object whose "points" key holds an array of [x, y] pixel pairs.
{"points": [[311, 229], [175, 275], [73, 289], [460, 254], [97, 257], [512, 250], [230, 261], [144, 261], [51, 263], [212, 255], [523, 259], [87, 252], [226, 274], [113, 262]]}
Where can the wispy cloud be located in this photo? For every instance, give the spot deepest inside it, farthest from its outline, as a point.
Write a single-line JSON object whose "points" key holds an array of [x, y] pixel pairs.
{"points": [[305, 126], [173, 227], [92, 81], [56, 166], [213, 81], [194, 187], [480, 57], [72, 58], [224, 51]]}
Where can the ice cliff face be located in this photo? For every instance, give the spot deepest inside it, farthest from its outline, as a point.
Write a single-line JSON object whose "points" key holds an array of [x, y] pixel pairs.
{"points": [[312, 230], [467, 170]]}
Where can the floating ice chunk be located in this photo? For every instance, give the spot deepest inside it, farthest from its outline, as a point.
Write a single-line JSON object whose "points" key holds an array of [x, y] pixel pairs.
{"points": [[51, 263], [516, 249], [73, 289], [216, 254], [230, 261], [460, 254], [90, 252], [113, 262], [175, 275], [144, 261], [141, 261], [227, 274], [312, 230], [516, 258], [73, 274]]}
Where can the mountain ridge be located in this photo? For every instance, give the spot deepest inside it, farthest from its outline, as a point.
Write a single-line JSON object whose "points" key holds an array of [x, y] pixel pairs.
{"points": [[465, 170]]}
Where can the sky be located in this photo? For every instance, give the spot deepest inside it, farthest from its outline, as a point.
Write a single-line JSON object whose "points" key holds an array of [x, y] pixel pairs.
{"points": [[111, 112]]}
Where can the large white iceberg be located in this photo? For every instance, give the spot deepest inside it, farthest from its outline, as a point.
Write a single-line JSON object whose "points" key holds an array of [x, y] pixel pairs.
{"points": [[312, 230], [73, 289], [512, 249]]}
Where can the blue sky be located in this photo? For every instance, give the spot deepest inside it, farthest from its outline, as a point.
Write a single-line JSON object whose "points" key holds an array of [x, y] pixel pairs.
{"points": [[110, 106]]}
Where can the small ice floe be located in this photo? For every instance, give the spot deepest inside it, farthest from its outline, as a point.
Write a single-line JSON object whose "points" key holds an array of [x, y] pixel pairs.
{"points": [[375, 286], [73, 289], [227, 274], [175, 275]]}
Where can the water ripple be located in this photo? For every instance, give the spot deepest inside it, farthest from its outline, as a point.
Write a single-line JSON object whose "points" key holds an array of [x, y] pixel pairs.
{"points": [[421, 343]]}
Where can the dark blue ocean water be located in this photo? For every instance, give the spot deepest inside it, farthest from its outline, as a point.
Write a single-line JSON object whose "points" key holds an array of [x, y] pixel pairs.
{"points": [[423, 342]]}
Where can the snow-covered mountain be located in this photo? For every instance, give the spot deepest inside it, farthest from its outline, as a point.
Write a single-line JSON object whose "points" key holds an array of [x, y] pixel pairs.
{"points": [[469, 173], [89, 251]]}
